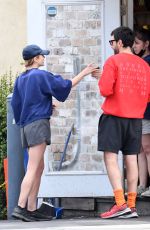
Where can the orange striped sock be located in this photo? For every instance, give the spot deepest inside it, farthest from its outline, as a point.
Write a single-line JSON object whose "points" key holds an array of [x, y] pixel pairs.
{"points": [[119, 197], [131, 199]]}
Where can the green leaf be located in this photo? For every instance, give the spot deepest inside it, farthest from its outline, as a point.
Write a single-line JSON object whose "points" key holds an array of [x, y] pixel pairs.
{"points": [[6, 87]]}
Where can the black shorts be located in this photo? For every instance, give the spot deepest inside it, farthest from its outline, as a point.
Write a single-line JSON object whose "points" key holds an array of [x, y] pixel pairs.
{"points": [[36, 133], [116, 133]]}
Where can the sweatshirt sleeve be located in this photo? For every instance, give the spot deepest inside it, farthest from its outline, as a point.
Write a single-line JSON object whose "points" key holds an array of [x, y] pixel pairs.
{"points": [[58, 87], [16, 103], [108, 78]]}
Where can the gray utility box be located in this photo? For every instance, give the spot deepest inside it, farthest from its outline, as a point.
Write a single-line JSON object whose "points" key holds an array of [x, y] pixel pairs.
{"points": [[15, 159]]}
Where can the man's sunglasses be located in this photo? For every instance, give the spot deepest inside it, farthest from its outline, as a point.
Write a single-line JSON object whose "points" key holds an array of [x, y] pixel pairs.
{"points": [[111, 42]]}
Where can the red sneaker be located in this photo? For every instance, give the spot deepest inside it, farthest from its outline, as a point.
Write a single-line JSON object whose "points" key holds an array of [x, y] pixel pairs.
{"points": [[116, 211]]}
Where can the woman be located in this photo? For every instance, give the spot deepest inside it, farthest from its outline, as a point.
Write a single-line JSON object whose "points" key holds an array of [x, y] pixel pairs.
{"points": [[32, 107], [141, 48]]}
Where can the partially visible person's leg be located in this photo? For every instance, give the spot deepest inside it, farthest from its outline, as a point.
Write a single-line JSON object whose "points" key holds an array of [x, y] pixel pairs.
{"points": [[148, 162], [143, 162], [146, 148], [143, 170], [32, 198], [36, 154]]}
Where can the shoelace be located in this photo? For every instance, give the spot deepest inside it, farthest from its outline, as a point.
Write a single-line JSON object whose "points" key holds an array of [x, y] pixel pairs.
{"points": [[111, 207]]}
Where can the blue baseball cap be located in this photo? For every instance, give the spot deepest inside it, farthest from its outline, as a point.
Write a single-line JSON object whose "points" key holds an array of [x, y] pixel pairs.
{"points": [[32, 51]]}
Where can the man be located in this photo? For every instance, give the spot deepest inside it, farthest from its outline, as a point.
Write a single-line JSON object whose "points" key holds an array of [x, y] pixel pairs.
{"points": [[125, 84]]}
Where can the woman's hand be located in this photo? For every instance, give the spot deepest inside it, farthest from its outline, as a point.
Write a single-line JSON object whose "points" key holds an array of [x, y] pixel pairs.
{"points": [[54, 105], [86, 71], [89, 69]]}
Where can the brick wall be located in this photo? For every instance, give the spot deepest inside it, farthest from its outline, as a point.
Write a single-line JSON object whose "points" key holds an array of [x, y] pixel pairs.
{"points": [[74, 38]]}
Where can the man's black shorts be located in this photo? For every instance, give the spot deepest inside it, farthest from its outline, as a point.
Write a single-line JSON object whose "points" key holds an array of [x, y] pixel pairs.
{"points": [[116, 133]]}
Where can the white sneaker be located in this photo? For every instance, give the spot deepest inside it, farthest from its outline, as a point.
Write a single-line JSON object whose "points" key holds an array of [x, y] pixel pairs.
{"points": [[132, 214], [146, 193], [141, 189]]}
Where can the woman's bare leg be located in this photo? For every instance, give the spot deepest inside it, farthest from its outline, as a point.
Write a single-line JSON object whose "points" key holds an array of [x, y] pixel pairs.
{"points": [[36, 154], [32, 198]]}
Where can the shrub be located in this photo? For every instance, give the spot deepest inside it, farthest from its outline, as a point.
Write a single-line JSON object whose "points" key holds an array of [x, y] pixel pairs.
{"points": [[6, 86]]}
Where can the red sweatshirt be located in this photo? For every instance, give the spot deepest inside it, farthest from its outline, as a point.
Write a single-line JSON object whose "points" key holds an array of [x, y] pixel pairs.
{"points": [[125, 82]]}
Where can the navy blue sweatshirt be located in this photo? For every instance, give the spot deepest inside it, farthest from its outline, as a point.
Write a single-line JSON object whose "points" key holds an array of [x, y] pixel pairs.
{"points": [[33, 92]]}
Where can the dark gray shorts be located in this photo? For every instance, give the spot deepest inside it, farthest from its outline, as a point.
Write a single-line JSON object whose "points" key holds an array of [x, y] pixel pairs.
{"points": [[36, 133], [116, 133]]}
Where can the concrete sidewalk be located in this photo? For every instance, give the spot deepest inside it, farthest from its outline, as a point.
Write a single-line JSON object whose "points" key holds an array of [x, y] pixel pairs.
{"points": [[142, 223]]}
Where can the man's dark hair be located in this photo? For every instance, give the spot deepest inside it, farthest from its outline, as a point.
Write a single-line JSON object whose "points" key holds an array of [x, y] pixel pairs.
{"points": [[143, 35], [125, 34]]}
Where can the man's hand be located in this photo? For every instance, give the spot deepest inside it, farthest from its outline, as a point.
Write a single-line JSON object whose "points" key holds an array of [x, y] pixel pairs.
{"points": [[97, 73]]}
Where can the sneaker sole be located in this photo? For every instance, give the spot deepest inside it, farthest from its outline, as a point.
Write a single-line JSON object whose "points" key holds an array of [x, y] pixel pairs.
{"points": [[123, 212], [128, 216], [21, 217], [145, 195], [42, 219]]}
